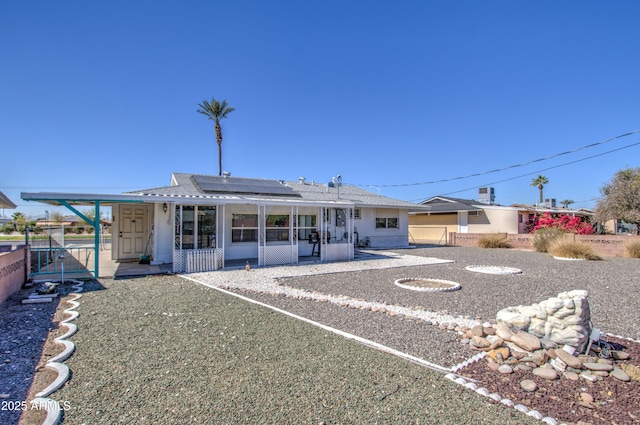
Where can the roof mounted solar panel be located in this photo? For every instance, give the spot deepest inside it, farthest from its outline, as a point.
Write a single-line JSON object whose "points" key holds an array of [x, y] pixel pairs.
{"points": [[242, 186]]}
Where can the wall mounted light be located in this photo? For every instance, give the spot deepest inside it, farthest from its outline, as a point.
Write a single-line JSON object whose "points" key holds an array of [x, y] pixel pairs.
{"points": [[164, 207]]}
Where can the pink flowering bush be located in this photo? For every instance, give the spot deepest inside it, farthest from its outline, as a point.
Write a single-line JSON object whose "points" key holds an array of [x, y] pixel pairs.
{"points": [[566, 223]]}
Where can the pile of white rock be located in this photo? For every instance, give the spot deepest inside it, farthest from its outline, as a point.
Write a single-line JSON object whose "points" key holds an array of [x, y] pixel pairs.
{"points": [[563, 319]]}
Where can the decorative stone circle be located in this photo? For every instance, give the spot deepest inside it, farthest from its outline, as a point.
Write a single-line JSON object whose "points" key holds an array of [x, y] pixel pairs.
{"points": [[427, 285], [569, 258], [494, 269]]}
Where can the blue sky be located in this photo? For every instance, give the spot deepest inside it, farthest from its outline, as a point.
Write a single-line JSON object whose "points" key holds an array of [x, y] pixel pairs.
{"points": [[101, 97]]}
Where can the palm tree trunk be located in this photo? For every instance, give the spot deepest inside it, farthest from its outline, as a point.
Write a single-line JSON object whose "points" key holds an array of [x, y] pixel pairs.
{"points": [[219, 140], [541, 200], [219, 159]]}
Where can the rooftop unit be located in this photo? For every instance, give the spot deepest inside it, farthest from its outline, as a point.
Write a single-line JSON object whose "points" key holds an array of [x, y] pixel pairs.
{"points": [[486, 195]]}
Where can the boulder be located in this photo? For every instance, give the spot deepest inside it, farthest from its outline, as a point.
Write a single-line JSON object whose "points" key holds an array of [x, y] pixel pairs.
{"points": [[569, 359], [546, 373], [526, 341]]}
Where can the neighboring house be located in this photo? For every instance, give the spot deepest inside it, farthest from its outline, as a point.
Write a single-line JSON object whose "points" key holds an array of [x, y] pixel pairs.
{"points": [[200, 221], [446, 215]]}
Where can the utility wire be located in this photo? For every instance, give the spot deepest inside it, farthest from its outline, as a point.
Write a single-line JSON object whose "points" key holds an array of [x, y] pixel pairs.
{"points": [[545, 169], [602, 142]]}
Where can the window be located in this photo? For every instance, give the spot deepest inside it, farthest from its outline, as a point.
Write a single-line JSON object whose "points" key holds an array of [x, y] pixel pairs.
{"points": [[206, 227], [306, 225], [188, 227], [195, 227], [244, 228], [355, 213], [387, 218], [386, 223], [277, 228]]}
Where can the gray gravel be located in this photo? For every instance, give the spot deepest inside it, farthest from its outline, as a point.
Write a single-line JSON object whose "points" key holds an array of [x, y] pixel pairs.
{"points": [[613, 284], [167, 350]]}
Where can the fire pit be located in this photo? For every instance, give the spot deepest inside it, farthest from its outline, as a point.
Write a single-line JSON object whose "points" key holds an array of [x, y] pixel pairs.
{"points": [[427, 285]]}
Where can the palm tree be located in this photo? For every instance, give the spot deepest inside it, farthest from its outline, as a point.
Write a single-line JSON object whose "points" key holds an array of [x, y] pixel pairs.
{"points": [[216, 111], [19, 219], [566, 202], [539, 182]]}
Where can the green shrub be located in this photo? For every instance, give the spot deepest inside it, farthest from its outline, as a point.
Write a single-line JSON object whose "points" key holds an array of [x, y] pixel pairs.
{"points": [[89, 229], [632, 249], [498, 240], [78, 230], [543, 238], [7, 228], [572, 249]]}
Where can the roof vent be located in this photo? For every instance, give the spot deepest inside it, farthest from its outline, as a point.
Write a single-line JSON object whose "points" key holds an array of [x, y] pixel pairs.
{"points": [[301, 180], [226, 174]]}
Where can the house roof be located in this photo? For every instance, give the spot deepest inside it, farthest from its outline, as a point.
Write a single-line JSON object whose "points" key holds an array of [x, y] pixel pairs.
{"points": [[189, 188], [184, 185], [6, 202], [444, 204]]}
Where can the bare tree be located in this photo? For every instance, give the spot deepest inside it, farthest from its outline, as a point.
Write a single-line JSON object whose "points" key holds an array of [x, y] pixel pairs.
{"points": [[621, 198]]}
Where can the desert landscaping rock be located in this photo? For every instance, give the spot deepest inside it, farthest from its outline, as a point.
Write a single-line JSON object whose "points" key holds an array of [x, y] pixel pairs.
{"points": [[620, 374], [498, 354], [479, 343], [586, 397], [526, 341], [604, 367], [503, 331], [528, 385], [619, 355], [569, 359], [505, 369], [546, 373], [572, 376], [589, 376]]}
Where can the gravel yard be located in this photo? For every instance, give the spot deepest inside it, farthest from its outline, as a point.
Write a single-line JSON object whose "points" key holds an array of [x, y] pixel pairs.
{"points": [[164, 349]]}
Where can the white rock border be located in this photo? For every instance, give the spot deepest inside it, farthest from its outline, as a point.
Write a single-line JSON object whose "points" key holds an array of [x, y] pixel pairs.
{"points": [[569, 258], [42, 399], [493, 269], [454, 285]]}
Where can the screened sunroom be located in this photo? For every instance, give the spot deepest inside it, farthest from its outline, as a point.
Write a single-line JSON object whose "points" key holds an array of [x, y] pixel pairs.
{"points": [[208, 237]]}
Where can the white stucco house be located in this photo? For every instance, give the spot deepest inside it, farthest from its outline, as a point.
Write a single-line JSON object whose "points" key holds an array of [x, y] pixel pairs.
{"points": [[200, 222], [443, 215]]}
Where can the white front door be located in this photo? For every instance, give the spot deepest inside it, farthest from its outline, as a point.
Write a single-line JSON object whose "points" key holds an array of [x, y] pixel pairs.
{"points": [[133, 232]]}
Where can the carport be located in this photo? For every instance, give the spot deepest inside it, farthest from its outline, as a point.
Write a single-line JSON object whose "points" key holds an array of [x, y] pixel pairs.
{"points": [[73, 200]]}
